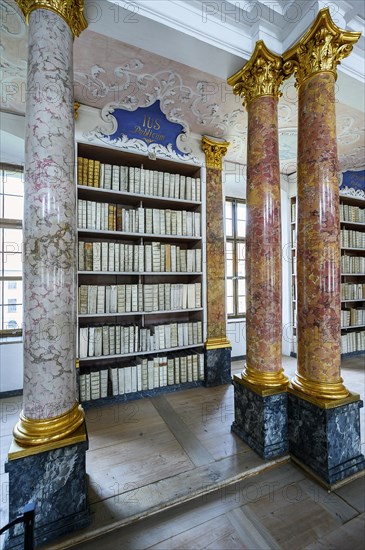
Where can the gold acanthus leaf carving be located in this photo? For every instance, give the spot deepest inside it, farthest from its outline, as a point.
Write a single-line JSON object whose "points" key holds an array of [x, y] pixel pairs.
{"points": [[214, 152], [261, 76], [72, 11], [321, 49]]}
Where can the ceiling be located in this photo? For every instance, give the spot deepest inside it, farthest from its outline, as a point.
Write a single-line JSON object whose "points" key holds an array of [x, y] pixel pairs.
{"points": [[182, 52]]}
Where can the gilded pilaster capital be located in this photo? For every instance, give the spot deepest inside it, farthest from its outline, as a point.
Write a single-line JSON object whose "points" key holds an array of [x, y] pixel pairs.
{"points": [[72, 11], [76, 110], [214, 152], [321, 49], [261, 76]]}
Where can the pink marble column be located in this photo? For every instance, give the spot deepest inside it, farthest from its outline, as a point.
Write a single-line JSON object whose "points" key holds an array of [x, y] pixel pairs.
{"points": [[50, 407], [313, 60], [258, 83]]}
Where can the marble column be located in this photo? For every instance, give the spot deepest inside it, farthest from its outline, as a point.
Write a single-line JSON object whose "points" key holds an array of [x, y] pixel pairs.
{"points": [[46, 461], [217, 345], [260, 391], [323, 429]]}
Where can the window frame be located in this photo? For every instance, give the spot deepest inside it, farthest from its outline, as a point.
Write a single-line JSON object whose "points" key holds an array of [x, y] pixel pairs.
{"points": [[235, 240], [9, 223]]}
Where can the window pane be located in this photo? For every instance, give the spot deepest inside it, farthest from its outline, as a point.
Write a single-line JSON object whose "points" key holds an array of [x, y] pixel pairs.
{"points": [[230, 310], [229, 219], [241, 228], [13, 295], [13, 183], [241, 211], [241, 256], [229, 287], [13, 265], [13, 207], [241, 305], [241, 287], [229, 260], [12, 318], [12, 241]]}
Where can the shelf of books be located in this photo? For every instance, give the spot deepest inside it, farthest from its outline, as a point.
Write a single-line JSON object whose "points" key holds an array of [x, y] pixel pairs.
{"points": [[352, 216], [140, 275]]}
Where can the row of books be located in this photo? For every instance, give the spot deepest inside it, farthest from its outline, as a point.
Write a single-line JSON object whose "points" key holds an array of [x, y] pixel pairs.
{"points": [[100, 216], [98, 341], [352, 291], [352, 317], [126, 298], [352, 239], [138, 180], [350, 213], [143, 374], [138, 258], [353, 264], [353, 341]]}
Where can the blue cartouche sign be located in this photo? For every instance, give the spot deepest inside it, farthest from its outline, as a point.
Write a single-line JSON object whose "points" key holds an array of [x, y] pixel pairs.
{"points": [[149, 124], [354, 179]]}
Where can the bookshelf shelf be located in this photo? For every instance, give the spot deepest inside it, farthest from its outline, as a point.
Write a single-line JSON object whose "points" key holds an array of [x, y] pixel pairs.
{"points": [[352, 214], [134, 313], [140, 238]]}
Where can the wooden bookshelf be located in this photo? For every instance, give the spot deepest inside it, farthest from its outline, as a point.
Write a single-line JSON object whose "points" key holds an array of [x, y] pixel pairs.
{"points": [[140, 275]]}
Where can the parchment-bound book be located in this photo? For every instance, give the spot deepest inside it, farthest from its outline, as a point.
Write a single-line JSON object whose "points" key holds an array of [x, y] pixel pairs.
{"points": [[118, 350], [90, 173], [198, 259], [81, 256], [113, 299], [104, 256], [131, 179], [198, 189], [160, 184], [85, 169], [83, 342], [121, 383], [115, 177], [189, 224], [91, 342], [197, 218], [195, 367], [117, 257], [201, 366], [95, 384], [107, 176], [100, 299], [111, 253], [83, 299], [123, 178], [198, 295], [182, 187], [112, 340], [193, 189], [177, 369], [105, 340], [80, 161], [96, 256], [149, 221], [113, 376], [172, 186], [183, 369], [92, 299], [128, 298], [188, 188], [96, 181], [189, 362], [127, 379], [166, 185], [137, 180], [98, 343]]}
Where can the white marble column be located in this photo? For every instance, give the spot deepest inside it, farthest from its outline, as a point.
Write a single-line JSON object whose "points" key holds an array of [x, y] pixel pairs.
{"points": [[49, 330]]}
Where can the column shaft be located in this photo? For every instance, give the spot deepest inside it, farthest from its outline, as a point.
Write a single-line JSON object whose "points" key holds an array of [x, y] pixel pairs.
{"points": [[264, 317], [218, 347], [49, 221], [318, 264]]}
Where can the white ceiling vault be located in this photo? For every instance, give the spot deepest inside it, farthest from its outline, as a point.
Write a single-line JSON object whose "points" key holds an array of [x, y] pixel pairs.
{"points": [[182, 52]]}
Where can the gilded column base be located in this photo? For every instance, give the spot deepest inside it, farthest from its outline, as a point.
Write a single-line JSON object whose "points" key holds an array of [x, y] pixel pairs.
{"points": [[321, 392], [33, 432], [264, 383], [217, 343]]}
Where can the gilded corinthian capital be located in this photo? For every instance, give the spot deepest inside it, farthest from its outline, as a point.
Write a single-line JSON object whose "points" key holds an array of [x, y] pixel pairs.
{"points": [[72, 11], [214, 152], [261, 76], [321, 49]]}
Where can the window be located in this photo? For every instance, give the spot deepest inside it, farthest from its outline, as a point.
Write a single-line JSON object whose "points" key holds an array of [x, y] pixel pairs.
{"points": [[11, 214], [235, 216]]}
